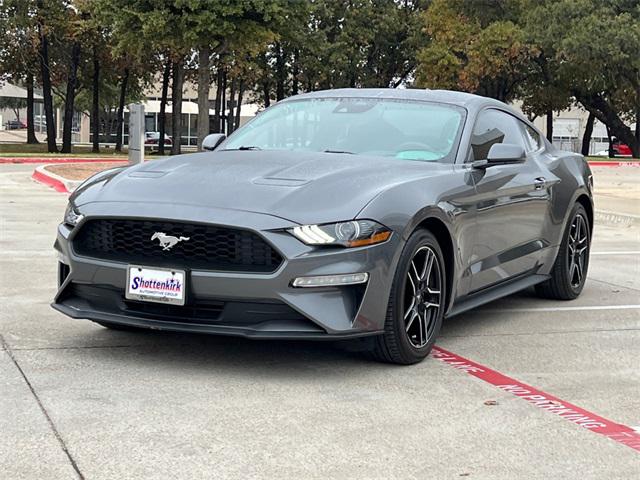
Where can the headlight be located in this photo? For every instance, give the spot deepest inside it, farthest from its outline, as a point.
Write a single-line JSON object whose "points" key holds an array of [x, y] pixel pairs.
{"points": [[71, 216], [356, 233]]}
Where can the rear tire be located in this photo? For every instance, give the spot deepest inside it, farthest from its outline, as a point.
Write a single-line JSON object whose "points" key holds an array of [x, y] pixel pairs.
{"points": [[416, 303], [569, 272]]}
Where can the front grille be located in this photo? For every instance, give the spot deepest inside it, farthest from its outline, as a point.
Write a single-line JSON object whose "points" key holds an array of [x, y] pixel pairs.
{"points": [[208, 247], [108, 299]]}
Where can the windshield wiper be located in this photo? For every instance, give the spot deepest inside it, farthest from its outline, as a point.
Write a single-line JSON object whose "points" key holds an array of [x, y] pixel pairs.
{"points": [[338, 151], [245, 147]]}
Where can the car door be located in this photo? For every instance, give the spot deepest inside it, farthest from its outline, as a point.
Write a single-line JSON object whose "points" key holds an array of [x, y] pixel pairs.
{"points": [[511, 202]]}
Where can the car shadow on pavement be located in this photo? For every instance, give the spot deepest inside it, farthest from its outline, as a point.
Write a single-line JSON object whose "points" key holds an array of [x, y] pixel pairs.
{"points": [[278, 358], [171, 350]]}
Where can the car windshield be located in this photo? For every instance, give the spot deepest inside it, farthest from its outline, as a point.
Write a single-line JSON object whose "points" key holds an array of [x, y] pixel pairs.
{"points": [[406, 130]]}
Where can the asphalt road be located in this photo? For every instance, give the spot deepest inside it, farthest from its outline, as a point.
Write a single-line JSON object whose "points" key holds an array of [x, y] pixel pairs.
{"points": [[80, 401]]}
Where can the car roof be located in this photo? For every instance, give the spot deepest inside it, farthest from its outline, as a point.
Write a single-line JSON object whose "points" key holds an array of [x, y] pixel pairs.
{"points": [[462, 99]]}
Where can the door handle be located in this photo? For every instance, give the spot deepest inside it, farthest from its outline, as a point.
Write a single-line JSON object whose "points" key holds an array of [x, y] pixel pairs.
{"points": [[539, 183]]}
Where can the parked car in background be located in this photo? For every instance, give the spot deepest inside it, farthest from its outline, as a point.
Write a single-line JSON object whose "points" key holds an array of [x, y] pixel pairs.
{"points": [[15, 125], [619, 150], [153, 138]]}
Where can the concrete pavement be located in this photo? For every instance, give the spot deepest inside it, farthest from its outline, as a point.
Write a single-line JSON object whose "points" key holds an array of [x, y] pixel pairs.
{"points": [[80, 401]]}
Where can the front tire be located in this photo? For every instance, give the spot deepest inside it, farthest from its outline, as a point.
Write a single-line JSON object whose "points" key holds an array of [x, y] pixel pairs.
{"points": [[569, 271], [416, 303]]}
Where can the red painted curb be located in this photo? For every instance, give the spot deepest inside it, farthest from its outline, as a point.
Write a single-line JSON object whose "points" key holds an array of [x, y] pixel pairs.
{"points": [[58, 160], [45, 179], [595, 423], [608, 163]]}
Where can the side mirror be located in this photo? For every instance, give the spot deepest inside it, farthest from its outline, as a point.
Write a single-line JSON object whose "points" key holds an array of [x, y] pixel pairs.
{"points": [[502, 154], [211, 141]]}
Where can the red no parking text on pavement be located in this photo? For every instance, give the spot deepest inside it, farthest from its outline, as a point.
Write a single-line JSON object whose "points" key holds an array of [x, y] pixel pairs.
{"points": [[595, 423]]}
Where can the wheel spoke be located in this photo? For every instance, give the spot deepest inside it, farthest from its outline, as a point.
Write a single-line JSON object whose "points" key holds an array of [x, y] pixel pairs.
{"points": [[413, 317], [572, 266], [415, 273], [414, 287], [411, 308], [578, 274], [580, 266], [432, 317], [424, 329], [426, 266]]}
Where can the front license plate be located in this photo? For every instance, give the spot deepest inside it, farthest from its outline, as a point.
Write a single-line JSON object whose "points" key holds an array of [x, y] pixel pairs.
{"points": [[155, 285]]}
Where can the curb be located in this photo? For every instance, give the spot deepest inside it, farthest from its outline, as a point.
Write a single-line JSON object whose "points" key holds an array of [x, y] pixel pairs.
{"points": [[58, 160], [616, 219], [57, 182], [627, 163]]}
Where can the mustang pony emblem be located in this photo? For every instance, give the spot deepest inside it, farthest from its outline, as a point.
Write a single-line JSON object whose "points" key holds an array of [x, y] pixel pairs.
{"points": [[168, 241]]}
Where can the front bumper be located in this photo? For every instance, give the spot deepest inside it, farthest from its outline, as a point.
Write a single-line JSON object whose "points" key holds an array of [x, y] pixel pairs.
{"points": [[253, 305]]}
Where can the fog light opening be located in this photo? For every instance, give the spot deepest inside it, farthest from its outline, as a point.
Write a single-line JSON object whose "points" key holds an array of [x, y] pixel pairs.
{"points": [[330, 280]]}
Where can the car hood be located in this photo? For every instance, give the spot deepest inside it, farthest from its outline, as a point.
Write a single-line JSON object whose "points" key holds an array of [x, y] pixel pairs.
{"points": [[303, 187]]}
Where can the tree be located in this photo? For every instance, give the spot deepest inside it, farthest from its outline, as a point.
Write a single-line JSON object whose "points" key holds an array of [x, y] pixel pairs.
{"points": [[327, 44], [72, 81], [133, 36], [476, 47], [14, 104], [593, 54], [19, 52], [166, 76], [226, 32], [45, 10]]}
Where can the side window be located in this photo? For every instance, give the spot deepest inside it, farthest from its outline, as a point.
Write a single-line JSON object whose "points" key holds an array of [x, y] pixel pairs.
{"points": [[532, 137], [494, 126]]}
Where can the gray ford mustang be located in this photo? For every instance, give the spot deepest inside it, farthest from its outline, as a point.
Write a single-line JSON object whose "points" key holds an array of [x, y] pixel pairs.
{"points": [[333, 215]]}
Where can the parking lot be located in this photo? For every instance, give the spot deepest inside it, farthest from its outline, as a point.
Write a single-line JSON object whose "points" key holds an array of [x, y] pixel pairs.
{"points": [[80, 401]]}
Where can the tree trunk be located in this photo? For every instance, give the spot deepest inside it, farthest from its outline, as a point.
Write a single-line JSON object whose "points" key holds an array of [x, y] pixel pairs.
{"points": [[605, 113], [218, 101], [223, 102], [280, 72], [610, 150], [230, 115], [166, 76], [266, 92], [70, 97], [31, 128], [586, 138], [176, 107], [295, 72], [550, 125], [236, 123], [95, 112], [204, 83], [638, 127], [266, 80], [123, 96], [46, 89]]}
